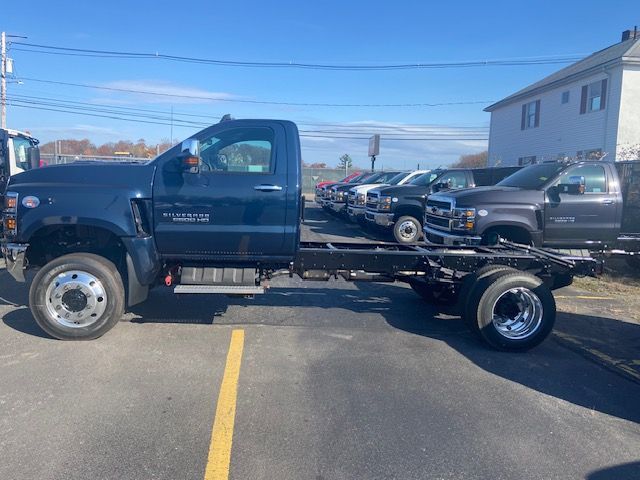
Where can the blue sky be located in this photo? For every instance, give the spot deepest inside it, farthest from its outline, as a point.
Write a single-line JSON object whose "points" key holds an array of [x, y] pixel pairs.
{"points": [[336, 32]]}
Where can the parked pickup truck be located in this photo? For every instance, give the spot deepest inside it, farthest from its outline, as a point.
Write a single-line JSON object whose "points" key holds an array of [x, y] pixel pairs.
{"points": [[340, 193], [323, 193], [357, 199], [401, 207], [585, 204], [18, 152], [220, 214]]}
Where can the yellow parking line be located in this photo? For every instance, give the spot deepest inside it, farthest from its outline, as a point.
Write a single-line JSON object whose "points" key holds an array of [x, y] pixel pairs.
{"points": [[222, 433]]}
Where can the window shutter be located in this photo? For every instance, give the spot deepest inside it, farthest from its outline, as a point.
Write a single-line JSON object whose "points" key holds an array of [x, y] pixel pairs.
{"points": [[583, 99], [537, 120], [603, 99], [524, 116]]}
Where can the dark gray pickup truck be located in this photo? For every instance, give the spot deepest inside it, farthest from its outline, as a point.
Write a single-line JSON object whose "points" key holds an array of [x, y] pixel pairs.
{"points": [[585, 204]]}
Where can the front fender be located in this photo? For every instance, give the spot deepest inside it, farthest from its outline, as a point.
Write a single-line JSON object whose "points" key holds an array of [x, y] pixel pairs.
{"points": [[521, 216]]}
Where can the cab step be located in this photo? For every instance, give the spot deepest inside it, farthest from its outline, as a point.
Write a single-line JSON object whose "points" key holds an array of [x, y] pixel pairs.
{"points": [[223, 289]]}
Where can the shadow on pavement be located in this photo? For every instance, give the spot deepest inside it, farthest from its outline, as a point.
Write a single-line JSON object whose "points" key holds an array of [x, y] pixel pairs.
{"points": [[547, 369], [626, 471]]}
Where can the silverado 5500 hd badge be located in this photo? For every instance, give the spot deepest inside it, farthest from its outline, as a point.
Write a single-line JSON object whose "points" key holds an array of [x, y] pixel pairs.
{"points": [[185, 217]]}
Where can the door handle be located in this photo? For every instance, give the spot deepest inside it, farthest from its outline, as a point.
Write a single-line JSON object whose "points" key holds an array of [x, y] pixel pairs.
{"points": [[268, 188], [607, 202]]}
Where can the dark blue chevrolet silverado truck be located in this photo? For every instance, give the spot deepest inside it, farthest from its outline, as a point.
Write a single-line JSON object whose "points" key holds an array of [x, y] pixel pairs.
{"points": [[221, 214]]}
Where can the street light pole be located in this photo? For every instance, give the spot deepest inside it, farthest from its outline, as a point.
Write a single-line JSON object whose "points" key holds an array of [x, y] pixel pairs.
{"points": [[3, 85]]}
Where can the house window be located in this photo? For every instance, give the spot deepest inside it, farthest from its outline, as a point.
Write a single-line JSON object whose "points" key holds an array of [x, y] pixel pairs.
{"points": [[530, 115], [593, 97], [565, 97], [530, 160]]}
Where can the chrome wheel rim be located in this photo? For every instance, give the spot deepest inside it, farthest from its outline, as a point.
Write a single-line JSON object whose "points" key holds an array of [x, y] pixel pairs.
{"points": [[76, 299], [517, 313], [408, 230]]}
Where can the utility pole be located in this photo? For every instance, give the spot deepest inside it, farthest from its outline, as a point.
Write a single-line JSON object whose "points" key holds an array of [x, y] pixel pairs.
{"points": [[3, 86]]}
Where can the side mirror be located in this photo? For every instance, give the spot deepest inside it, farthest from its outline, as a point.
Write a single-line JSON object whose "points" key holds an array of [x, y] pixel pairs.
{"points": [[440, 186], [33, 154], [190, 155]]}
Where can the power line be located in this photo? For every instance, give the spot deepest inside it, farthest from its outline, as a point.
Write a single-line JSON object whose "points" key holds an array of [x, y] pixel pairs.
{"points": [[57, 50], [179, 123], [260, 102]]}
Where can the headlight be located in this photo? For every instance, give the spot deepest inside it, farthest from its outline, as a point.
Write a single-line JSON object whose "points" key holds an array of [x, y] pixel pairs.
{"points": [[11, 202], [464, 219], [362, 199], [340, 196], [384, 203]]}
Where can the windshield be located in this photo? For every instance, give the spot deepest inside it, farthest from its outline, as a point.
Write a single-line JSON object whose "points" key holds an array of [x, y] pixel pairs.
{"points": [[398, 178], [533, 176], [424, 179], [357, 178], [385, 177]]}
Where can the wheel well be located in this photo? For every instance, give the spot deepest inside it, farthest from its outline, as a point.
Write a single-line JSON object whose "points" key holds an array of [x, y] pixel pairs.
{"points": [[53, 241], [414, 212], [508, 232]]}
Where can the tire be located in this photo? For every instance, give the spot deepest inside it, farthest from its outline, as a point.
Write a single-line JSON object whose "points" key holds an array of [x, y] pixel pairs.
{"points": [[77, 297], [512, 311], [434, 293], [472, 279], [407, 229]]}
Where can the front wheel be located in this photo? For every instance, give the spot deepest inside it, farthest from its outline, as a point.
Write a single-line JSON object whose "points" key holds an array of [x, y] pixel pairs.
{"points": [[407, 229], [511, 310], [77, 297]]}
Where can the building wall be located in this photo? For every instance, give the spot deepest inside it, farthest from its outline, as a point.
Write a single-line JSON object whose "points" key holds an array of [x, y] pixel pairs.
{"points": [[629, 130], [562, 130]]}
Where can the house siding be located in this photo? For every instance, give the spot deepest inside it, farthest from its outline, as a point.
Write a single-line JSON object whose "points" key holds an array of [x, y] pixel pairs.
{"points": [[562, 129], [629, 130]]}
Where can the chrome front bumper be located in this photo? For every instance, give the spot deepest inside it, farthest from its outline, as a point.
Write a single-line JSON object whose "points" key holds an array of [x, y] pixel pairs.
{"points": [[438, 237], [14, 256], [379, 218], [338, 207], [355, 212]]}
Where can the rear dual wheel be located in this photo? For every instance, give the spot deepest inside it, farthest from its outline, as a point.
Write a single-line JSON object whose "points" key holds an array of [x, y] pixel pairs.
{"points": [[510, 310], [77, 297]]}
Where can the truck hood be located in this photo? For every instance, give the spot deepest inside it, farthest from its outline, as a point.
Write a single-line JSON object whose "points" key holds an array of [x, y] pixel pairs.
{"points": [[396, 190], [470, 197], [100, 175]]}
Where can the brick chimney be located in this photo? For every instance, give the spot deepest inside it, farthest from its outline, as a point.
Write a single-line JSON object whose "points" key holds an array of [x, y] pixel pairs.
{"points": [[629, 34]]}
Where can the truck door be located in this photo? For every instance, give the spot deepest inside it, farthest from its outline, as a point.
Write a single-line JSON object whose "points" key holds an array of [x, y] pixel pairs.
{"points": [[576, 218], [235, 205]]}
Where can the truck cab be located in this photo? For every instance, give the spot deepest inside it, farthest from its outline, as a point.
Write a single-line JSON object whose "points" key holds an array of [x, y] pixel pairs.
{"points": [[19, 152]]}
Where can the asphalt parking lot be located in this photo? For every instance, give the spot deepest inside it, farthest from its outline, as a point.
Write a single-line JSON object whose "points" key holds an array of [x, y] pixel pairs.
{"points": [[335, 381]]}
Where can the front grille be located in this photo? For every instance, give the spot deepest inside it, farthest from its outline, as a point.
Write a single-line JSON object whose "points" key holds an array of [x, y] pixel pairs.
{"points": [[351, 200], [372, 201], [438, 221], [439, 204]]}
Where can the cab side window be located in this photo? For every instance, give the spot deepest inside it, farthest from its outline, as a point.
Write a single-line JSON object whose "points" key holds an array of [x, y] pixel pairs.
{"points": [[592, 176], [455, 180], [238, 150]]}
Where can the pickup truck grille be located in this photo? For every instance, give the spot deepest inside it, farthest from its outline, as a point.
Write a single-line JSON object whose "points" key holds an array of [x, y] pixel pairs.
{"points": [[443, 223], [351, 200], [372, 201], [438, 213]]}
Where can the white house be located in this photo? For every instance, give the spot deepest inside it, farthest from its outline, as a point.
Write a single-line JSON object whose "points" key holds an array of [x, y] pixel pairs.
{"points": [[588, 109]]}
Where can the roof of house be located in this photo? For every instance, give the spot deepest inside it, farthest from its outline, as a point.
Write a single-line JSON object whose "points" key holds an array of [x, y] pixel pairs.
{"points": [[627, 51]]}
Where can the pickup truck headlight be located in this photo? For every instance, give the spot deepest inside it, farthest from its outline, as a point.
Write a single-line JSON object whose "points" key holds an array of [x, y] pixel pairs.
{"points": [[464, 219], [9, 215], [340, 196], [384, 203], [361, 199]]}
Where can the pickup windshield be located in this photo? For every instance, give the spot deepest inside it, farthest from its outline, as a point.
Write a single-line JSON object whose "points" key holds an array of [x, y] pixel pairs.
{"points": [[532, 177], [398, 178], [385, 177], [425, 179]]}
